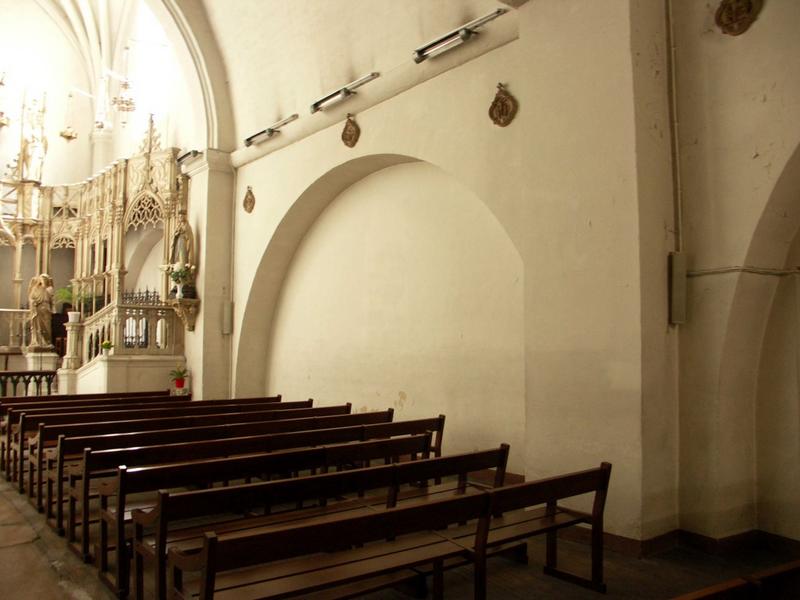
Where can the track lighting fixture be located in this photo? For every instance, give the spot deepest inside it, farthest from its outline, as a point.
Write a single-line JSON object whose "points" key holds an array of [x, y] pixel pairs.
{"points": [[454, 38], [188, 156], [267, 133], [342, 93]]}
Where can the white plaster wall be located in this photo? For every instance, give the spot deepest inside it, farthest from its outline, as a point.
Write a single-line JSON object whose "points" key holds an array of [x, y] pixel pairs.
{"points": [[407, 293], [38, 58], [778, 410], [561, 180], [738, 100]]}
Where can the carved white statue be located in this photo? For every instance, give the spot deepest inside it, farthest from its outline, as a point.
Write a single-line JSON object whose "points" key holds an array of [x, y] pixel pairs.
{"points": [[34, 143], [40, 303]]}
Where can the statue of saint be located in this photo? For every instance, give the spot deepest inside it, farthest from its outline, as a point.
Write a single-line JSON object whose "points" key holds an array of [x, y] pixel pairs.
{"points": [[182, 262], [40, 303], [182, 242], [34, 143]]}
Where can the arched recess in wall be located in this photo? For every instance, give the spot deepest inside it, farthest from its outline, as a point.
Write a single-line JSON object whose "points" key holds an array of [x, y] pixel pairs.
{"points": [[406, 292], [777, 244]]}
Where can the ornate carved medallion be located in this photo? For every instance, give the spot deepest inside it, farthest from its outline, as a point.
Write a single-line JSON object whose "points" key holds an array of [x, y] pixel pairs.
{"points": [[351, 132], [504, 107], [734, 17], [249, 200]]}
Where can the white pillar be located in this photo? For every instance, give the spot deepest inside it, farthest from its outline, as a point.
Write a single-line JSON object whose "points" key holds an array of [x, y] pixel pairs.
{"points": [[208, 349]]}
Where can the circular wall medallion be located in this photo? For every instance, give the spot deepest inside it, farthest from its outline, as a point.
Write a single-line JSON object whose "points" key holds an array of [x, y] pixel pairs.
{"points": [[249, 200]]}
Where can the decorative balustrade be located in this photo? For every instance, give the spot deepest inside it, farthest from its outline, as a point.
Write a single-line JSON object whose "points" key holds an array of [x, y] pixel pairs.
{"points": [[147, 327], [14, 330], [27, 383]]}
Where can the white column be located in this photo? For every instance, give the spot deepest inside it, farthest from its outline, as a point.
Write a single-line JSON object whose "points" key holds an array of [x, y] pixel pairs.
{"points": [[208, 350]]}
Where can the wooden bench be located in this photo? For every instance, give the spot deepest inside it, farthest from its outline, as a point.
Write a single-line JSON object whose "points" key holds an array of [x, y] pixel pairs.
{"points": [[27, 426], [40, 442], [61, 405], [114, 515], [776, 583], [67, 397], [164, 519], [103, 463], [122, 433], [304, 558]]}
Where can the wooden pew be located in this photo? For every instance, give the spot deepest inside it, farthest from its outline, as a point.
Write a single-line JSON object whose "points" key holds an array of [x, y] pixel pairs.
{"points": [[98, 464], [38, 442], [114, 515], [123, 433], [735, 589], [308, 557], [68, 397], [171, 509], [780, 582], [319, 555], [510, 520], [27, 425], [5, 407], [776, 583]]}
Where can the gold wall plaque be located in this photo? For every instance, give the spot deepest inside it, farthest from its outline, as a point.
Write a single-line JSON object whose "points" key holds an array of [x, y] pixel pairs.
{"points": [[351, 132], [734, 17], [249, 200], [504, 107]]}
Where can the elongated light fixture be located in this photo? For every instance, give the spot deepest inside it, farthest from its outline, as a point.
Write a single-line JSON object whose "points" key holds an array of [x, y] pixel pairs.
{"points": [[267, 133], [342, 93], [454, 38]]}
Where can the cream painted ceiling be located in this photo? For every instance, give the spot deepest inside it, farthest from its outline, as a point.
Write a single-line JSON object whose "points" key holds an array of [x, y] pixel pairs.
{"points": [[281, 55]]}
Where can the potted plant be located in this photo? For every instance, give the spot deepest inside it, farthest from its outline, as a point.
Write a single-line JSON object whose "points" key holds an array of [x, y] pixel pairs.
{"points": [[106, 345], [178, 375], [64, 295]]}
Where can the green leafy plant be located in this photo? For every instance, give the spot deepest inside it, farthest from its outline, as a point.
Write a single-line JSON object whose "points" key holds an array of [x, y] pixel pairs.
{"points": [[64, 295], [178, 373], [106, 345]]}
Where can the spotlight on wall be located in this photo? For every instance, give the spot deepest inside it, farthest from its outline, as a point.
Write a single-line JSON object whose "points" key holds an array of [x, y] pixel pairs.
{"points": [[188, 157], [267, 133], [454, 38], [342, 93]]}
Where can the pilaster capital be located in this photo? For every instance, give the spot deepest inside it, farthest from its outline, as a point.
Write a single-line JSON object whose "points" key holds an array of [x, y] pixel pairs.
{"points": [[211, 160]]}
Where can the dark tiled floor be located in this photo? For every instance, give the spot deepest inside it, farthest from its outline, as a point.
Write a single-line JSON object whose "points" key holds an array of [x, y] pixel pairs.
{"points": [[35, 564]]}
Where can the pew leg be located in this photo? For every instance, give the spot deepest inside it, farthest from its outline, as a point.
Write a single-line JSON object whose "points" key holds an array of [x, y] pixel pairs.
{"points": [[71, 518], [85, 529], [102, 554], [49, 499], [438, 580], [138, 567], [479, 566], [597, 555], [551, 552]]}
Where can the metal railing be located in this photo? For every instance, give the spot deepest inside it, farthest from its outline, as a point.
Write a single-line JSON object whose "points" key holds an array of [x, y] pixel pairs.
{"points": [[27, 383]]}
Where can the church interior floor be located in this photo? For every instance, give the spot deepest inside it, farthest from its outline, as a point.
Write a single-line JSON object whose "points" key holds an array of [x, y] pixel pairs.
{"points": [[35, 563]]}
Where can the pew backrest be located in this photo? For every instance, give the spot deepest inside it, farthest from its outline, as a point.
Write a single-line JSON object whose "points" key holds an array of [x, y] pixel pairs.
{"points": [[169, 452], [152, 478]]}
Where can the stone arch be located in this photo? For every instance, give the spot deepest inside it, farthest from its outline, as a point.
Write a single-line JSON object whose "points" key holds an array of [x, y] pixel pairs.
{"points": [[258, 314], [742, 346]]}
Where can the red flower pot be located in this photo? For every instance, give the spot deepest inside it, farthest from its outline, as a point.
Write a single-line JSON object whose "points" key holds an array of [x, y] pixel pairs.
{"points": [[179, 383]]}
